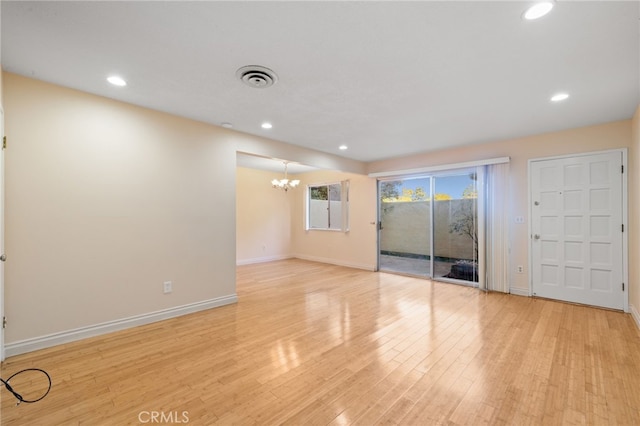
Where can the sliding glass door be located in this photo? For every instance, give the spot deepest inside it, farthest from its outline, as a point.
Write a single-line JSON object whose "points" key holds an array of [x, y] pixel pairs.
{"points": [[455, 227], [428, 226], [405, 226]]}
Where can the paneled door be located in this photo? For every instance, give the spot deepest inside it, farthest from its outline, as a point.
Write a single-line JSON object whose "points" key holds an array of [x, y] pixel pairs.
{"points": [[577, 229]]}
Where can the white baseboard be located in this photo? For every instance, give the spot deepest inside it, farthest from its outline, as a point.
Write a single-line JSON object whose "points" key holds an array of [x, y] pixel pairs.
{"points": [[29, 345], [519, 291], [262, 259], [635, 314], [336, 262]]}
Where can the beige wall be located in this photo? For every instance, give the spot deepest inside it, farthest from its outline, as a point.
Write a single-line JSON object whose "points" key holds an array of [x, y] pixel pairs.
{"points": [[356, 248], [263, 228], [595, 138], [634, 217], [106, 201], [271, 225]]}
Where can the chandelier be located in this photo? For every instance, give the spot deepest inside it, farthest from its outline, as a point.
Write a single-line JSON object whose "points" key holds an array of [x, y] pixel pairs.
{"points": [[285, 183]]}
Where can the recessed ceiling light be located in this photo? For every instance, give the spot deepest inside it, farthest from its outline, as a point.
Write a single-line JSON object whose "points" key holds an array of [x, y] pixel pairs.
{"points": [[343, 147], [116, 81], [226, 125], [538, 10], [267, 125], [559, 97]]}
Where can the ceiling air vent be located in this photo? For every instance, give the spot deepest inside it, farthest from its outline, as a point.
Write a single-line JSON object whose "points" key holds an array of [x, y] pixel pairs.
{"points": [[257, 76]]}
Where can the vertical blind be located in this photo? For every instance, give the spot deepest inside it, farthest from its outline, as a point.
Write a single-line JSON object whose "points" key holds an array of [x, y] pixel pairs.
{"points": [[496, 244]]}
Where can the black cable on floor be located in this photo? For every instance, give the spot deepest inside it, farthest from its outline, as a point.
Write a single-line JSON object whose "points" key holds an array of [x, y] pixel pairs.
{"points": [[16, 394]]}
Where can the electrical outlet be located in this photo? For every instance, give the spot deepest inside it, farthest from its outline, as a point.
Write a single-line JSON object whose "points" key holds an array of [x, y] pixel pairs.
{"points": [[167, 287], [519, 220], [520, 269]]}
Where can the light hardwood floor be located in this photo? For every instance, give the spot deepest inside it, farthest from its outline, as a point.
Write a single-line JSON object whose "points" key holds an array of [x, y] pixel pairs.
{"points": [[314, 344]]}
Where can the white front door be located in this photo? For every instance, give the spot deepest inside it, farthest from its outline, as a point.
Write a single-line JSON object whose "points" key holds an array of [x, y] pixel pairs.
{"points": [[576, 229]]}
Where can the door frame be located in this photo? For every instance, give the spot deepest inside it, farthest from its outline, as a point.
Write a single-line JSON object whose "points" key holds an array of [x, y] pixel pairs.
{"points": [[2, 314], [625, 219]]}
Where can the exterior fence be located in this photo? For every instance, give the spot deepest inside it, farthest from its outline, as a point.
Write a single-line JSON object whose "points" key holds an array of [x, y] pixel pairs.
{"points": [[407, 229]]}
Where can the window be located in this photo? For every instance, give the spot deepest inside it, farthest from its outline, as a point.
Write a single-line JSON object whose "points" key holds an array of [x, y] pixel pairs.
{"points": [[327, 206]]}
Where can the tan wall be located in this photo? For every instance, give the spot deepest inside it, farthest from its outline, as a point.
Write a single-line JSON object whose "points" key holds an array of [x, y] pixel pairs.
{"points": [[355, 248], [595, 138], [406, 227], [263, 227], [634, 217]]}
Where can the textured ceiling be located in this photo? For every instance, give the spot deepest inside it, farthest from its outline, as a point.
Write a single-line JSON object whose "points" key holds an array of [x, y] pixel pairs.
{"points": [[385, 78]]}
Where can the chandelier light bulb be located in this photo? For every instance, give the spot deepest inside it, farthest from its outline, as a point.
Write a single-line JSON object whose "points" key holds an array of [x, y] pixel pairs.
{"points": [[285, 183]]}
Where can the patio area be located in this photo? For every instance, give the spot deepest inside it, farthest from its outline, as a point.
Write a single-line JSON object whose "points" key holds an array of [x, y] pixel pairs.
{"points": [[421, 268], [414, 266]]}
